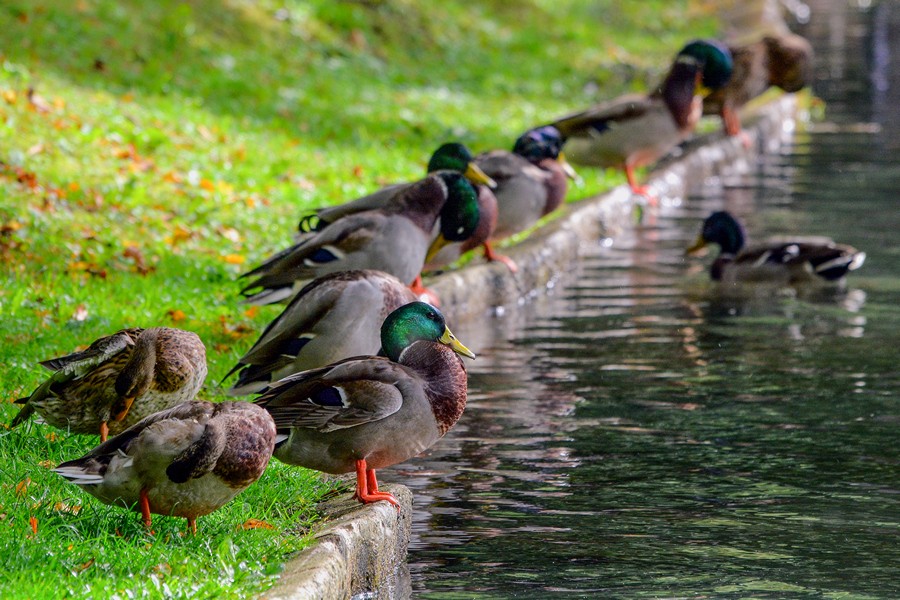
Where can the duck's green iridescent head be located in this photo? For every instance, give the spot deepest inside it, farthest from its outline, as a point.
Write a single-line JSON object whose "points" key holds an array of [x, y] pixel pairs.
{"points": [[723, 229], [714, 58], [413, 322], [460, 214], [454, 156]]}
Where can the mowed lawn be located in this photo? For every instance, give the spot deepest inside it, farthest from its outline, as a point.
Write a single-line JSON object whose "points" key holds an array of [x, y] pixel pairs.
{"points": [[150, 152]]}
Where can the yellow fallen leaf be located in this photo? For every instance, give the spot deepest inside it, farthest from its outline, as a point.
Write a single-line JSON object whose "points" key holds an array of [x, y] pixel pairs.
{"points": [[10, 96], [234, 259], [22, 486], [207, 185], [177, 315]]}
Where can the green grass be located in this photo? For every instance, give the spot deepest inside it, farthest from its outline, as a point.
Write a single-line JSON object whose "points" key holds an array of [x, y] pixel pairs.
{"points": [[171, 145]]}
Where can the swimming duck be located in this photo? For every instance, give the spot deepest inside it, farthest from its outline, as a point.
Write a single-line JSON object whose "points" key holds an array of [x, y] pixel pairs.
{"points": [[783, 61], [186, 461], [394, 238], [367, 413], [637, 130], [783, 262], [333, 317], [451, 156], [118, 380]]}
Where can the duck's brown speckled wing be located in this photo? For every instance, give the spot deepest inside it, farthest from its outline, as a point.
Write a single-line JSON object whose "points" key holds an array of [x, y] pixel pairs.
{"points": [[345, 394]]}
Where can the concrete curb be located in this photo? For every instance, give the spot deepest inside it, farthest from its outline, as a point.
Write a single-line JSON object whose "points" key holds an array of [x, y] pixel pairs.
{"points": [[360, 550]]}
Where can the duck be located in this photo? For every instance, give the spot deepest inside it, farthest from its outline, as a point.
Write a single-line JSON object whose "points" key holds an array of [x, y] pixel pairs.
{"points": [[367, 413], [333, 317], [783, 61], [531, 182], [394, 238], [118, 380], [784, 262], [185, 461], [636, 130], [450, 156]]}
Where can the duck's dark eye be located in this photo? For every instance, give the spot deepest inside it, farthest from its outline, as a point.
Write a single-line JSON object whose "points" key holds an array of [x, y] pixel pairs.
{"points": [[431, 315]]}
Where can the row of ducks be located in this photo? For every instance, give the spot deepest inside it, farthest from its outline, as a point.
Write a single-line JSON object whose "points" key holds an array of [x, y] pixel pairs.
{"points": [[356, 374]]}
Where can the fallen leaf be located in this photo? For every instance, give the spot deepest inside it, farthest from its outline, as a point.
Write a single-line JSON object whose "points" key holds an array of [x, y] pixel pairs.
{"points": [[10, 96], [251, 312], [34, 523], [84, 566], [256, 524], [234, 259], [36, 149], [207, 185], [176, 315], [22, 486], [37, 102], [48, 464]]}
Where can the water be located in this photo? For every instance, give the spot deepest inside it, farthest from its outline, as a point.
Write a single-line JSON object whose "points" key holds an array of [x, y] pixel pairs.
{"points": [[632, 434]]}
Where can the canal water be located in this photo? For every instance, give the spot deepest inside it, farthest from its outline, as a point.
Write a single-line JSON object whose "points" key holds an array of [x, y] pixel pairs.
{"points": [[631, 433]]}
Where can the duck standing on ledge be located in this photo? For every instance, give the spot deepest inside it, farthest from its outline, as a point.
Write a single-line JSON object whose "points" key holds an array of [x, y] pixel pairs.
{"points": [[451, 156], [783, 61], [531, 183], [783, 262], [333, 317], [395, 239], [187, 461], [637, 130], [367, 413], [119, 380]]}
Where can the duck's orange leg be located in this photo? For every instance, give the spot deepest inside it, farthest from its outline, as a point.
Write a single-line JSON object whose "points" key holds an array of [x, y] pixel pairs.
{"points": [[104, 431], [192, 524], [423, 293], [640, 190], [144, 504], [732, 123], [492, 256], [367, 486]]}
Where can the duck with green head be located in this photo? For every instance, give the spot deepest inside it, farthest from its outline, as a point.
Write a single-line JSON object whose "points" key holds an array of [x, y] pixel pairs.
{"points": [[781, 60], [637, 130], [783, 262], [531, 182], [367, 413], [118, 380], [451, 156], [394, 238]]}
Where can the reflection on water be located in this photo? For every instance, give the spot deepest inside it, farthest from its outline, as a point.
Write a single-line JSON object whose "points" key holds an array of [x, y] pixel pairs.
{"points": [[631, 433]]}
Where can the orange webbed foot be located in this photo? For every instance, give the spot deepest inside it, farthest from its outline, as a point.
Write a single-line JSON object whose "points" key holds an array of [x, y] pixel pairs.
{"points": [[423, 293], [492, 256]]}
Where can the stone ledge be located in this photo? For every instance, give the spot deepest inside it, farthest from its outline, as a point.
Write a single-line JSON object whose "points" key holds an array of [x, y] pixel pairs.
{"points": [[360, 550]]}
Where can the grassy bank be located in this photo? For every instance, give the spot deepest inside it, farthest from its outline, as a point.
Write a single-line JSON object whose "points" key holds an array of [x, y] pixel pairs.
{"points": [[150, 152]]}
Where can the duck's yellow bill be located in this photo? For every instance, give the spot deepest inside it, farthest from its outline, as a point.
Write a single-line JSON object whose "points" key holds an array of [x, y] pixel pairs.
{"points": [[699, 245], [567, 168], [436, 247], [450, 339], [476, 175]]}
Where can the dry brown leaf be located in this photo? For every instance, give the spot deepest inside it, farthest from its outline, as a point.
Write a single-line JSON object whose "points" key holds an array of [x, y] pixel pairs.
{"points": [[256, 524]]}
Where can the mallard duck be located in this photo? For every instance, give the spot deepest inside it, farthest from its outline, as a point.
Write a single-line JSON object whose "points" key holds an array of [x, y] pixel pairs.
{"points": [[186, 461], [531, 183], [335, 316], [783, 262], [368, 413], [451, 156], [394, 239], [783, 61], [634, 130], [119, 380]]}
